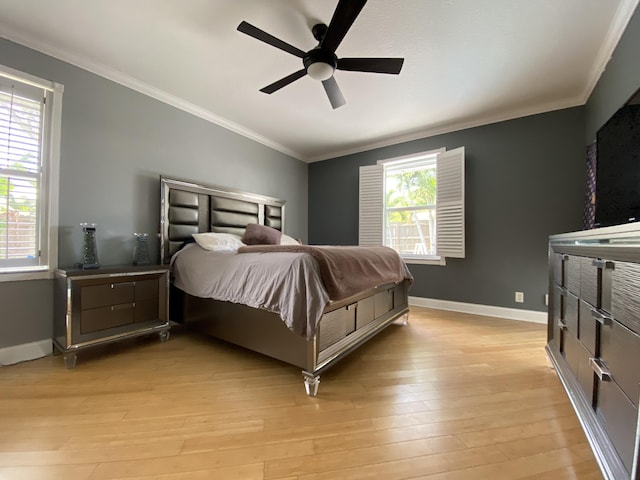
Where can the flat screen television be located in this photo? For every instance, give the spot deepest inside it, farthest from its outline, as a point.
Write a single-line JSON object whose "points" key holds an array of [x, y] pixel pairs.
{"points": [[618, 167]]}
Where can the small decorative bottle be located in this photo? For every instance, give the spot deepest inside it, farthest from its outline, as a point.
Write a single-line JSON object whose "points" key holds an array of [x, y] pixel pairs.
{"points": [[89, 246], [141, 250]]}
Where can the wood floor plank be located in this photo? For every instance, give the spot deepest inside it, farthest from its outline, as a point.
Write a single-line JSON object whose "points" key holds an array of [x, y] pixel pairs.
{"points": [[448, 396], [48, 472]]}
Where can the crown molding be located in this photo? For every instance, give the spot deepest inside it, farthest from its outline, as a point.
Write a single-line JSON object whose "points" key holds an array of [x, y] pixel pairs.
{"points": [[144, 88], [616, 30], [452, 127]]}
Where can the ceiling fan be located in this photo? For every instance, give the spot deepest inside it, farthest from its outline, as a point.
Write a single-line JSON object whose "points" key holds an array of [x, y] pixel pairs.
{"points": [[321, 62]]}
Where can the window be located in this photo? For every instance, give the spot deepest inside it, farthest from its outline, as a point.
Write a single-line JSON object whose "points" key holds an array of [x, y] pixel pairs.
{"points": [[415, 205], [30, 111]]}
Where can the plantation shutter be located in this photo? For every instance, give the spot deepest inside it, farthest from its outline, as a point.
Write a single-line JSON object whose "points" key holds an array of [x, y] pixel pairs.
{"points": [[371, 211], [450, 234], [21, 120]]}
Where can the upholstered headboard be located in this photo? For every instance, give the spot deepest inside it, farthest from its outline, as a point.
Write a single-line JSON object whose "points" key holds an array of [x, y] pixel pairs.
{"points": [[187, 208]]}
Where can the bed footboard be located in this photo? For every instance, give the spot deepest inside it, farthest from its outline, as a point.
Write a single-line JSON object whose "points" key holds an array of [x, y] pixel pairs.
{"points": [[343, 328]]}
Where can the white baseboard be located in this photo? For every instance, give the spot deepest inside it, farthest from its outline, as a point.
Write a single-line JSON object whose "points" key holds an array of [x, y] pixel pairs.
{"points": [[26, 351], [486, 310]]}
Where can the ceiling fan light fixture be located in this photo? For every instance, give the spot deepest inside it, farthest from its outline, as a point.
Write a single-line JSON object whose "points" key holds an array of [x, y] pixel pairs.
{"points": [[320, 71]]}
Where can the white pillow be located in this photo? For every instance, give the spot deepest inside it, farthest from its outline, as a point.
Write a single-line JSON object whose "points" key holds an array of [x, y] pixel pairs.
{"points": [[218, 242], [287, 240]]}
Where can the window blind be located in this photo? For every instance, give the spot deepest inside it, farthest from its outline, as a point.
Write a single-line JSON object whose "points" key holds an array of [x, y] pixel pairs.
{"points": [[21, 119]]}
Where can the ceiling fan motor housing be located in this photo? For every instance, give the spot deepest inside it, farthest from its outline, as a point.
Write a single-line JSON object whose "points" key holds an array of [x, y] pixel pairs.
{"points": [[320, 64]]}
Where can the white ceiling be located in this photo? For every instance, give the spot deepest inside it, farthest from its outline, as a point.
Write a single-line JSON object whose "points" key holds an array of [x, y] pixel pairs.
{"points": [[467, 62]]}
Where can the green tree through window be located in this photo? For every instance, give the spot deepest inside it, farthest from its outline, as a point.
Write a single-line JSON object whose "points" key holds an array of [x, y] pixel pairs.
{"points": [[410, 201]]}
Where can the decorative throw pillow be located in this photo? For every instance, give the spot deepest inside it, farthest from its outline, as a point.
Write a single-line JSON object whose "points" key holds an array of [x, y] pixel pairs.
{"points": [[261, 235], [218, 242], [287, 240]]}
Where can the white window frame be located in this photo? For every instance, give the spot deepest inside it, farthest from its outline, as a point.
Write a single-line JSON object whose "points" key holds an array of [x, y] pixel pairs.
{"points": [[50, 181], [449, 205]]}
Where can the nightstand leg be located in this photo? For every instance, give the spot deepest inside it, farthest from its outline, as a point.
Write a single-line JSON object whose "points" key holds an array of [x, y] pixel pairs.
{"points": [[164, 335], [70, 360]]}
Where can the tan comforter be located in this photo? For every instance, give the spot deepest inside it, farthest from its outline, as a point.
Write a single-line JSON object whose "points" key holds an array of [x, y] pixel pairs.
{"points": [[346, 271]]}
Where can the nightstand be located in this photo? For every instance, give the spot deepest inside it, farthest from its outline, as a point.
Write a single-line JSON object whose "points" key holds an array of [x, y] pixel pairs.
{"points": [[97, 306]]}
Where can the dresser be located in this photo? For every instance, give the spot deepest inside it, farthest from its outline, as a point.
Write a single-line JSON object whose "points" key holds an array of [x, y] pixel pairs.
{"points": [[594, 338], [98, 306]]}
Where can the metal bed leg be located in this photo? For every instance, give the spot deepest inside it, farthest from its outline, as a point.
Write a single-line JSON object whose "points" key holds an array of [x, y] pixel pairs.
{"points": [[311, 383], [403, 319]]}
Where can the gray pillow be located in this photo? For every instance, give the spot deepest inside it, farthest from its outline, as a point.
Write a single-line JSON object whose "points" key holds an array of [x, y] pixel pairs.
{"points": [[261, 235]]}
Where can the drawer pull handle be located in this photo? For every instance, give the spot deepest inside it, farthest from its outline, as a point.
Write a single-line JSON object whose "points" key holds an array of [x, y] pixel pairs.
{"points": [[123, 306], [123, 284], [605, 264], [564, 257], [603, 374], [562, 325], [352, 306], [601, 318]]}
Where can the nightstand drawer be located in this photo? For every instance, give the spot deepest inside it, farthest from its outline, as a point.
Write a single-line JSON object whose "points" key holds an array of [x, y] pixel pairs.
{"points": [[147, 290], [98, 319], [147, 310], [105, 295]]}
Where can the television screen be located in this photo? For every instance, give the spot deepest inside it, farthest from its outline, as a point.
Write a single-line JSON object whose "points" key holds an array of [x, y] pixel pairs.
{"points": [[618, 167]]}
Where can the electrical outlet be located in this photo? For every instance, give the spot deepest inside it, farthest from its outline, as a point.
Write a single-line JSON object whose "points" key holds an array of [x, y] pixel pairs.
{"points": [[546, 299], [519, 297]]}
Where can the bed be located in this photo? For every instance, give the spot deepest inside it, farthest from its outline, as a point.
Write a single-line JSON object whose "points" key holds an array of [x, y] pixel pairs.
{"points": [[344, 325]]}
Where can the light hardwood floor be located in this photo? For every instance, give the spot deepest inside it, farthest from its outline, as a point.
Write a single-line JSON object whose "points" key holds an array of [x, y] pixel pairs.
{"points": [[449, 396]]}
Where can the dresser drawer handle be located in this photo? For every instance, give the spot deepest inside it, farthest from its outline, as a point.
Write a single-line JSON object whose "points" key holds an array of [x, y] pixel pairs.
{"points": [[603, 374], [606, 264], [602, 318], [123, 284], [562, 325], [123, 306]]}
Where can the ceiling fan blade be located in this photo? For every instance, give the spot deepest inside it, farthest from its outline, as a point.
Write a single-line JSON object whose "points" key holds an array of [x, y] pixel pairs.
{"points": [[283, 82], [265, 37], [333, 92], [376, 65], [345, 14]]}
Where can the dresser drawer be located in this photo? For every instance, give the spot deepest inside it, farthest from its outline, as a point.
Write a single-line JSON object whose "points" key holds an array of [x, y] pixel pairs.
{"points": [[557, 268], [572, 265], [558, 314], [589, 274], [588, 328], [107, 294], [585, 375], [571, 309], [97, 319], [619, 418], [620, 351], [571, 351], [624, 302]]}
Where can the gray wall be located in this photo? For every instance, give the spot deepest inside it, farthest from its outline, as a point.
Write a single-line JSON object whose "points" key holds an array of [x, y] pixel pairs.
{"points": [[524, 181], [115, 145]]}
